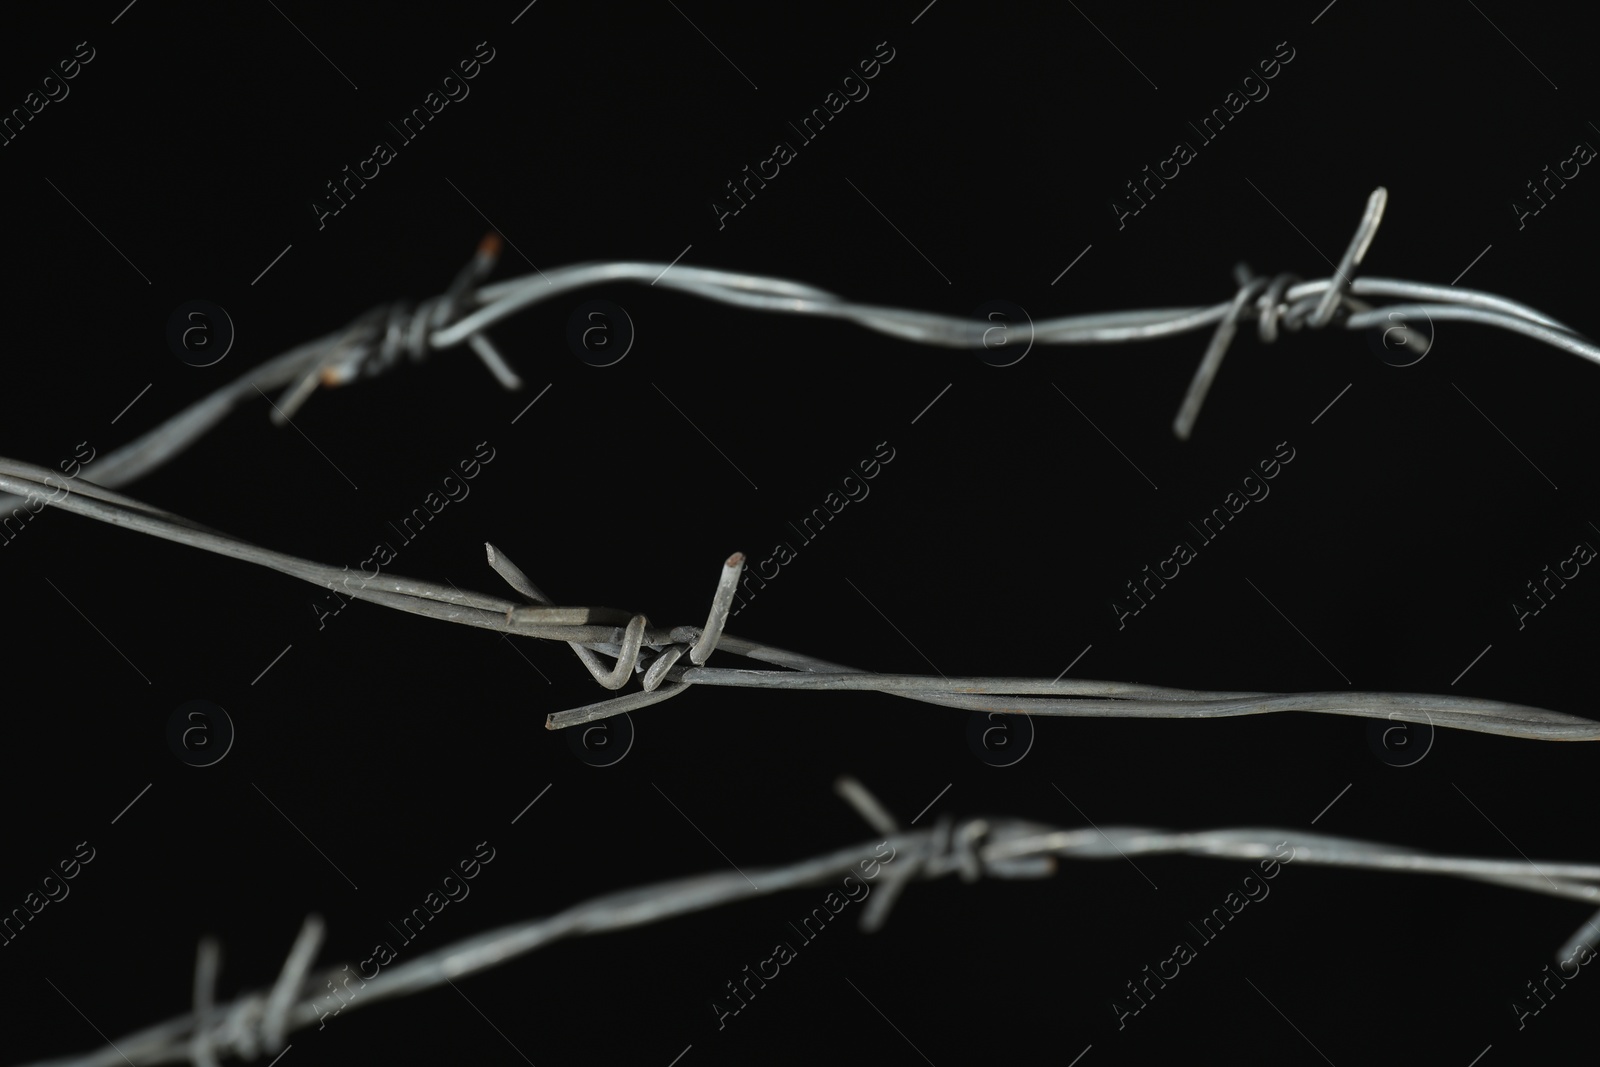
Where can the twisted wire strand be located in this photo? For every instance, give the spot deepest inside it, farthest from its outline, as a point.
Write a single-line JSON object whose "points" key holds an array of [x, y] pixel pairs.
{"points": [[1009, 848], [376, 342], [639, 648]]}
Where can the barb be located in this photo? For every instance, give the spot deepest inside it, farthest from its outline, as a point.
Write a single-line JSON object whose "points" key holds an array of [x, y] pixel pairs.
{"points": [[1007, 848], [373, 343], [635, 646]]}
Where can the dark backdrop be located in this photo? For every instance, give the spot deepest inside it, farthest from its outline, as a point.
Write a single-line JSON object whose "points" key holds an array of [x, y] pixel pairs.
{"points": [[375, 750]]}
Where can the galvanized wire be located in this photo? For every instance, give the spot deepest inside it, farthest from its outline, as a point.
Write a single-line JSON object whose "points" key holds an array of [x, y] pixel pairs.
{"points": [[378, 341], [638, 647], [375, 342], [259, 1022]]}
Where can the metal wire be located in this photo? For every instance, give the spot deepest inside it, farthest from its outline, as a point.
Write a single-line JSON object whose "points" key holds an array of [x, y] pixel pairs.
{"points": [[1008, 848], [638, 647], [375, 342]]}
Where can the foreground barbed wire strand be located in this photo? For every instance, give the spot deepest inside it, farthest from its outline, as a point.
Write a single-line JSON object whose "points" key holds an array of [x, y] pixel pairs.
{"points": [[259, 1022], [638, 647], [375, 342]]}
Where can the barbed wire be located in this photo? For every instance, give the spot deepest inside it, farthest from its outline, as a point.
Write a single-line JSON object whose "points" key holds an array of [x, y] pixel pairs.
{"points": [[374, 343], [638, 647], [380, 340], [259, 1022]]}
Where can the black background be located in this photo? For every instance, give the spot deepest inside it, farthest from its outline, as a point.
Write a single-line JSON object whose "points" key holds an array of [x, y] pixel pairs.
{"points": [[983, 162]]}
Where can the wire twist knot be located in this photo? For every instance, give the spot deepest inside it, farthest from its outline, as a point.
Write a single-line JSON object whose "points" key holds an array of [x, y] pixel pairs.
{"points": [[373, 344]]}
